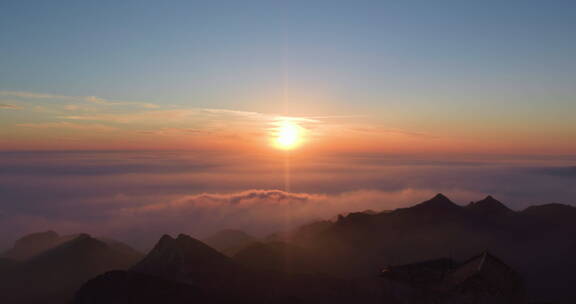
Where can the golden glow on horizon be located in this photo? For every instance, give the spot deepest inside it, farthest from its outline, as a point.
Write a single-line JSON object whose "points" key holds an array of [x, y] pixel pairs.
{"points": [[288, 135]]}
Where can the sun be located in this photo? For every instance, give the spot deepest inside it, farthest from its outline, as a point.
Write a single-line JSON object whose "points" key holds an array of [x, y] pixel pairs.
{"points": [[287, 136]]}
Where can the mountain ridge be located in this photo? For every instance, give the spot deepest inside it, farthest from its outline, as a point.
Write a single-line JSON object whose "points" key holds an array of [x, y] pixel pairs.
{"points": [[490, 206], [185, 259]]}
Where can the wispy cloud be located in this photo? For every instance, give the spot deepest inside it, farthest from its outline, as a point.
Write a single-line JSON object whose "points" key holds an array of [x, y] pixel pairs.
{"points": [[146, 116], [89, 99], [261, 210], [188, 114], [380, 130], [224, 126], [9, 107], [79, 107], [295, 119], [172, 131], [67, 125], [246, 114], [244, 198], [102, 101], [33, 95]]}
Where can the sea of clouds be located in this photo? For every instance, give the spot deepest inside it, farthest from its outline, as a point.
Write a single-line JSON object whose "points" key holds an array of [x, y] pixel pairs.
{"points": [[138, 196]]}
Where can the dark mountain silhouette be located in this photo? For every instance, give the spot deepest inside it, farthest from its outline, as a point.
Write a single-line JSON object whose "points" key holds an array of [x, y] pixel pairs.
{"points": [[188, 260], [538, 241], [553, 214], [229, 241], [550, 210], [176, 270], [329, 261], [36, 243], [184, 270], [82, 256], [33, 244], [7, 264], [123, 287], [437, 204], [483, 278], [53, 275], [489, 206]]}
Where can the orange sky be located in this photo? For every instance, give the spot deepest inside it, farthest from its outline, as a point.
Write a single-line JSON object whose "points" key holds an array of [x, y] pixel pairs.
{"points": [[52, 122]]}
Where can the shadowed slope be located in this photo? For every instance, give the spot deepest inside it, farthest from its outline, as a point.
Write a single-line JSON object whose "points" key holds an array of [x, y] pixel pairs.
{"points": [[439, 203], [33, 244], [538, 241], [123, 287], [53, 275], [184, 270], [187, 260], [489, 206], [83, 256]]}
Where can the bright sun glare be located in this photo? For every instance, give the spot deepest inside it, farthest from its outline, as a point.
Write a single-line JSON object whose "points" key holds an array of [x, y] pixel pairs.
{"points": [[288, 135]]}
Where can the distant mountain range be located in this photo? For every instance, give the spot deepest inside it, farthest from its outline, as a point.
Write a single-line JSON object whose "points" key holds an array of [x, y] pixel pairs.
{"points": [[336, 261], [35, 243], [48, 268]]}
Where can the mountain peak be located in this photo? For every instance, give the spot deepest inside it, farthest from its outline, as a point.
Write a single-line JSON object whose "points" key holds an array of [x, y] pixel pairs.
{"points": [[82, 244], [184, 259], [490, 200], [489, 205], [440, 196], [181, 243], [184, 237], [165, 241], [439, 203], [440, 200]]}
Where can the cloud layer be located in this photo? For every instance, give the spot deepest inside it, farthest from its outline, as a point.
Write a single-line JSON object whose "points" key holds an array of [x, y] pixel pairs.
{"points": [[137, 196]]}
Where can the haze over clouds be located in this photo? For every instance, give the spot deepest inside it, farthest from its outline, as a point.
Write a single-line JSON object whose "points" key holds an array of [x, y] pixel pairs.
{"points": [[137, 196]]}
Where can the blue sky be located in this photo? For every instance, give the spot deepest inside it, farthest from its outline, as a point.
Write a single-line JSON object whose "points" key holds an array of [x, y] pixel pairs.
{"points": [[207, 52]]}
